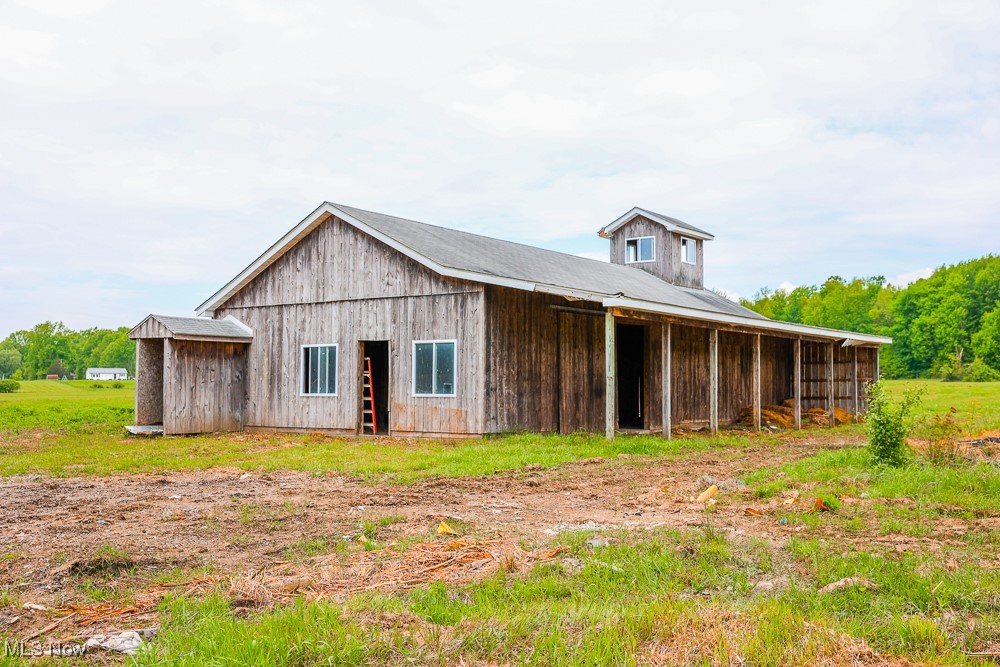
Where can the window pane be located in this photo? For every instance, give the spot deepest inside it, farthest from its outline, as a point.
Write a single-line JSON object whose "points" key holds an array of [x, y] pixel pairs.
{"points": [[322, 373], [313, 370], [444, 376], [423, 368], [646, 249], [630, 251]]}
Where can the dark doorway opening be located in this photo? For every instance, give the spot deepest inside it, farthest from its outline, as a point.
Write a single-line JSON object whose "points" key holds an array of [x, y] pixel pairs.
{"points": [[376, 354], [630, 341]]}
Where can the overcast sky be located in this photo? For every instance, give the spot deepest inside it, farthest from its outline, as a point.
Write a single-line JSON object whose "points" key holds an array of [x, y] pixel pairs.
{"points": [[150, 151]]}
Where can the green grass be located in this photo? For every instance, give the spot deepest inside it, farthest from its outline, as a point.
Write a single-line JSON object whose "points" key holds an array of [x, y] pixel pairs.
{"points": [[69, 428], [74, 406], [688, 594], [977, 404]]}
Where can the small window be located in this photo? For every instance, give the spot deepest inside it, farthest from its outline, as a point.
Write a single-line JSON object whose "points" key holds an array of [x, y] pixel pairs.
{"points": [[640, 250], [689, 251], [434, 368], [319, 370]]}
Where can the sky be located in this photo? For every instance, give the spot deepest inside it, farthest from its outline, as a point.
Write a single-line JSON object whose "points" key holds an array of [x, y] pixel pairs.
{"points": [[150, 151]]}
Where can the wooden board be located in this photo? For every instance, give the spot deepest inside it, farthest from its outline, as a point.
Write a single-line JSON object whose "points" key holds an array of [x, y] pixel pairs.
{"points": [[204, 386], [581, 373]]}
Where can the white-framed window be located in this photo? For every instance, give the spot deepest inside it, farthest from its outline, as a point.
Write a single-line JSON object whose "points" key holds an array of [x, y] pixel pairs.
{"points": [[641, 249], [318, 370], [435, 367], [689, 251]]}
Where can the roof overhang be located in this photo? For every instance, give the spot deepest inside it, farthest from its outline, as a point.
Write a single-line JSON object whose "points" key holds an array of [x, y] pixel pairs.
{"points": [[849, 338], [669, 223]]}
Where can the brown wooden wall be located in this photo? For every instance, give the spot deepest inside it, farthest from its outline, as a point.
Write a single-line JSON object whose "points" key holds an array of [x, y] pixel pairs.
{"points": [[689, 374], [777, 370], [338, 262], [736, 373], [668, 264], [149, 381], [581, 373], [204, 385], [522, 361]]}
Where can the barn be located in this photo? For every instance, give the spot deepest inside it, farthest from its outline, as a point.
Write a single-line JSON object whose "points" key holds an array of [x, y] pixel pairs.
{"points": [[357, 322]]}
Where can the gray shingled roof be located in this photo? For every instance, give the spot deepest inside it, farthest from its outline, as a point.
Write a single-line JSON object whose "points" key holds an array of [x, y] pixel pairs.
{"points": [[107, 370], [505, 259], [201, 326]]}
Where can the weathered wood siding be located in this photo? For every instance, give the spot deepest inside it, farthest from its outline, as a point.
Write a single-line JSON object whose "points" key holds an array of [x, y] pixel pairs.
{"points": [[581, 373], [522, 361], [777, 370], [690, 374], [735, 374], [336, 262], [150, 328], [340, 286], [203, 386], [668, 264], [149, 381]]}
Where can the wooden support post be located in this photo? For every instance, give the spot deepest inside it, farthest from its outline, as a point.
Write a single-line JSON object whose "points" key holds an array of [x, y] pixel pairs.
{"points": [[610, 364], [878, 369], [756, 382], [798, 383], [713, 399], [855, 390], [665, 365], [831, 385]]}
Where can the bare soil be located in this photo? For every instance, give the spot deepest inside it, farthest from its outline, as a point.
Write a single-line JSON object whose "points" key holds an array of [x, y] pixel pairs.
{"points": [[244, 523]]}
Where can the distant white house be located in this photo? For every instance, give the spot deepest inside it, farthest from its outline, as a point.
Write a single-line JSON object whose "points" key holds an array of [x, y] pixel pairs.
{"points": [[107, 374]]}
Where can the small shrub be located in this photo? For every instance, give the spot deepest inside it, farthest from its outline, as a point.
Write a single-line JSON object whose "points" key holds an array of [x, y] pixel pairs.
{"points": [[18, 375], [96, 385], [9, 386], [980, 371], [888, 423], [117, 385]]}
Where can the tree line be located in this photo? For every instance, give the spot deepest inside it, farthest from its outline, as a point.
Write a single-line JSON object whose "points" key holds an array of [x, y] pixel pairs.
{"points": [[51, 348], [946, 325]]}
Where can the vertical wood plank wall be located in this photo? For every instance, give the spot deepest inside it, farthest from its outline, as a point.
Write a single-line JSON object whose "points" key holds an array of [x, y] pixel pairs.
{"points": [[203, 386], [522, 370], [340, 286], [689, 384], [581, 373], [735, 374]]}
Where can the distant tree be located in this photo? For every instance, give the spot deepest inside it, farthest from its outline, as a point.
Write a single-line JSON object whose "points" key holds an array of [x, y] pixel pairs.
{"points": [[10, 361], [986, 341]]}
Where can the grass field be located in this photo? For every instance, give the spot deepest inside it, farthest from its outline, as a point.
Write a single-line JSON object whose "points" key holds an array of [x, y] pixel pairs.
{"points": [[708, 586], [73, 428]]}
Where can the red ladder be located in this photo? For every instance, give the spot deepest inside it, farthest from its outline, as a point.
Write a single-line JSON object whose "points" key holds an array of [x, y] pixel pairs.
{"points": [[368, 418]]}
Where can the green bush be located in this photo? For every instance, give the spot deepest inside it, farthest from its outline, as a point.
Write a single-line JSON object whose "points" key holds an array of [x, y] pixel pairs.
{"points": [[888, 423], [117, 385], [9, 386], [17, 376], [980, 371]]}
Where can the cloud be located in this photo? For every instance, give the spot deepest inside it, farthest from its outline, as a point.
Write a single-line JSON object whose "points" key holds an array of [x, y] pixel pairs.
{"points": [[904, 279], [813, 140]]}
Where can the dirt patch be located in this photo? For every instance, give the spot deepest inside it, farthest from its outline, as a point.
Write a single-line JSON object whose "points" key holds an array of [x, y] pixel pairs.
{"points": [[142, 535]]}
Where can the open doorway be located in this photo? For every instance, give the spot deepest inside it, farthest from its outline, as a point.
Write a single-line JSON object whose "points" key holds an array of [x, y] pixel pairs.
{"points": [[375, 387], [630, 342]]}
